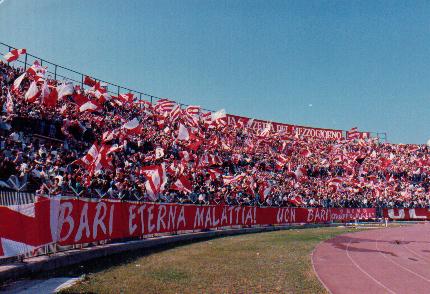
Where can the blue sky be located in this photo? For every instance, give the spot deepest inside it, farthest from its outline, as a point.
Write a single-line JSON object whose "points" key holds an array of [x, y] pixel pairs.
{"points": [[358, 63]]}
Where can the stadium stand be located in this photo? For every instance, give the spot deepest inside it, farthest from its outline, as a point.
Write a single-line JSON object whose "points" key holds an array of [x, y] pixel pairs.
{"points": [[69, 139]]}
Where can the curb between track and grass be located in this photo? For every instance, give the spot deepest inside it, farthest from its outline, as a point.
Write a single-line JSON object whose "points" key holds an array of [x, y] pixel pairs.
{"points": [[45, 263]]}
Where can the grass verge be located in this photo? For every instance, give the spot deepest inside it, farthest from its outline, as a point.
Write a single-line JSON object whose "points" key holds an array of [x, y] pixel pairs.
{"points": [[273, 262]]}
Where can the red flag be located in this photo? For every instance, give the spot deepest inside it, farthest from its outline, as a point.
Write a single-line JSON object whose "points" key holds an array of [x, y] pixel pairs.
{"points": [[89, 81], [14, 54], [296, 200], [49, 96]]}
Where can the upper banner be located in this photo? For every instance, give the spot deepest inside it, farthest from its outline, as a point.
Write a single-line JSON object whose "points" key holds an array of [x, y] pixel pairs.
{"points": [[65, 221], [291, 130]]}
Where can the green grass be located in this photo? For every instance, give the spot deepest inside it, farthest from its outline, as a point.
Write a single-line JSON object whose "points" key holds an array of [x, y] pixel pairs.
{"points": [[273, 262]]}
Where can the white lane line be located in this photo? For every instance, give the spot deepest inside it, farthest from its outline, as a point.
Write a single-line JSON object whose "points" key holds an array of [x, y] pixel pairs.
{"points": [[399, 265], [316, 273], [414, 252], [365, 272]]}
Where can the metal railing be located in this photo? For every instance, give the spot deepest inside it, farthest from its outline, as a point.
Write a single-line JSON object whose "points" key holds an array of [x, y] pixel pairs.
{"points": [[9, 198], [67, 74], [61, 72]]}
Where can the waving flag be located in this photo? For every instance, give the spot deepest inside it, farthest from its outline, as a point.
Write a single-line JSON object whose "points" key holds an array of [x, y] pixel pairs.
{"points": [[89, 106], [156, 179], [18, 82], [183, 133], [32, 93], [89, 81], [97, 158], [192, 110], [219, 118], [36, 72], [296, 200], [353, 133], [214, 173], [129, 97], [280, 161], [182, 184], [65, 89], [132, 127], [14, 54], [164, 106], [233, 179], [175, 113], [264, 190], [49, 95], [9, 107]]}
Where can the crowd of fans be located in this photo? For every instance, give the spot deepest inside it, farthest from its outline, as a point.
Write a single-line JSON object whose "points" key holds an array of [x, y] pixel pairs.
{"points": [[91, 144]]}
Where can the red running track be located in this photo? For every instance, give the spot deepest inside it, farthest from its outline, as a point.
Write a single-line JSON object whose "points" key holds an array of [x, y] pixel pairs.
{"points": [[392, 260]]}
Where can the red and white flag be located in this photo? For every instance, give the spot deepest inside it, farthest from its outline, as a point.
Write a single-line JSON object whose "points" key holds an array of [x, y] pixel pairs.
{"points": [[182, 184], [206, 118], [209, 160], [65, 89], [32, 93], [156, 179], [192, 110], [219, 118], [128, 98], [164, 106], [280, 161], [14, 54], [18, 82], [175, 113], [89, 106], [214, 173], [9, 107], [132, 127], [296, 200], [97, 158], [335, 183], [183, 133], [264, 190], [49, 95], [353, 133], [36, 72], [227, 180], [305, 153], [100, 92]]}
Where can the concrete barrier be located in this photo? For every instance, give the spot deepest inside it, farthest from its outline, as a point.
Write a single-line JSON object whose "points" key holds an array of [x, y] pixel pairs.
{"points": [[44, 263]]}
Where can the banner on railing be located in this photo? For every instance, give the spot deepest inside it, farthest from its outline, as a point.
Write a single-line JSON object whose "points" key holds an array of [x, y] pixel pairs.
{"points": [[288, 129], [24, 228], [348, 214], [407, 213]]}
